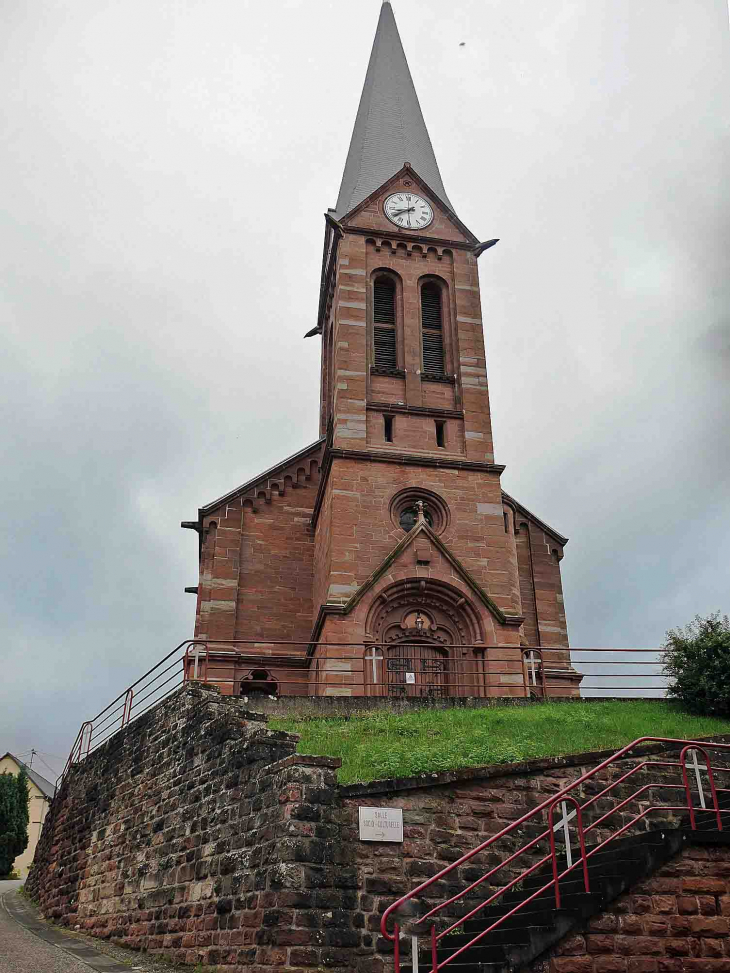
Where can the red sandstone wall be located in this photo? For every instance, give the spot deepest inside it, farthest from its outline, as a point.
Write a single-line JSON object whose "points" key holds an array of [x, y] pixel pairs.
{"points": [[257, 561], [275, 580], [363, 534], [539, 557], [676, 922]]}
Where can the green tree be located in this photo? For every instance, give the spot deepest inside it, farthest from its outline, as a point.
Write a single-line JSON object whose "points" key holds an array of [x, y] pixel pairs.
{"points": [[13, 819], [697, 661]]}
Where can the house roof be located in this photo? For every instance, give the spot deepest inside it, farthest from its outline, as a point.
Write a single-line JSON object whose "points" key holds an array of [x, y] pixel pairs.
{"points": [[44, 786], [389, 126]]}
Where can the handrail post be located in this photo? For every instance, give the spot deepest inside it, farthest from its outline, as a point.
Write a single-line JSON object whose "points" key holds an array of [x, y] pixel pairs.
{"points": [[687, 790], [77, 751], [434, 955], [581, 842], [396, 948], [127, 711]]}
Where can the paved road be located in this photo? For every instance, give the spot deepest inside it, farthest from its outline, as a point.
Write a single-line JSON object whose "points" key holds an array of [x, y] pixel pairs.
{"points": [[23, 951]]}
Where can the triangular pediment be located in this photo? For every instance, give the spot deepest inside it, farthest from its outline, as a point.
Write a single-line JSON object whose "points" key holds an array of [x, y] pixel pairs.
{"points": [[446, 225], [422, 533]]}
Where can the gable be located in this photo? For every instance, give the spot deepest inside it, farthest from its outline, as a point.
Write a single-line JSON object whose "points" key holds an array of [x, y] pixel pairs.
{"points": [[423, 537], [528, 515], [13, 765], [368, 215]]}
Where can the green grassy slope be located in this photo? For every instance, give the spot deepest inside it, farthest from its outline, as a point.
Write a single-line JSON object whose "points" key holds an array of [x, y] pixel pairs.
{"points": [[388, 745]]}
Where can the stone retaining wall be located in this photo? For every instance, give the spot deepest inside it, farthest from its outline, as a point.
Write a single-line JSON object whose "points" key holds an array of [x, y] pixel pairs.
{"points": [[198, 833], [676, 922]]}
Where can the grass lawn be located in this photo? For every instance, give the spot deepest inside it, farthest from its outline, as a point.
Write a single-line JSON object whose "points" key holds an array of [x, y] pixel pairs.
{"points": [[389, 745]]}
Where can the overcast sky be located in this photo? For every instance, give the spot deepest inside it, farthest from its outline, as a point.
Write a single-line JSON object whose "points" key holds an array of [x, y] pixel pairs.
{"points": [[164, 168]]}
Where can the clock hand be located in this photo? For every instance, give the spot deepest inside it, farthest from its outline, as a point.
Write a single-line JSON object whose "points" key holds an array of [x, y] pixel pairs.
{"points": [[400, 211]]}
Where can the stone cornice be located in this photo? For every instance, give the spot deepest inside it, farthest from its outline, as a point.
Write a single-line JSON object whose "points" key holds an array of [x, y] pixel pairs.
{"points": [[386, 234], [421, 410], [267, 474]]}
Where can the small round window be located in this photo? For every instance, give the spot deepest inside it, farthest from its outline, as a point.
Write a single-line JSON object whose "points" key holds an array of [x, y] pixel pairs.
{"points": [[409, 516], [404, 509]]}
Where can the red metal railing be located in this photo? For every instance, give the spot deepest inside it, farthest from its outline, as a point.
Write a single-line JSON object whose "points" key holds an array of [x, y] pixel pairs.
{"points": [[566, 795], [404, 670]]}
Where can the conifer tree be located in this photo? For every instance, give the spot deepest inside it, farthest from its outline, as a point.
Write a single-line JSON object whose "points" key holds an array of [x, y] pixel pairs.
{"points": [[14, 819]]}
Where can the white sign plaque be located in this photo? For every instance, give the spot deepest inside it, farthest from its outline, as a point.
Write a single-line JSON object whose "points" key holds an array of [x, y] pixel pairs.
{"points": [[381, 824], [411, 678]]}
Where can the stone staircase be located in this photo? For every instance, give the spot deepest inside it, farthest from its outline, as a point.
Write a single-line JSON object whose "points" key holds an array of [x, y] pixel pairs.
{"points": [[526, 934]]}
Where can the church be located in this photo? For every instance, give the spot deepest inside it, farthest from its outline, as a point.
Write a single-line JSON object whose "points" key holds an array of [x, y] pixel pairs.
{"points": [[384, 559]]}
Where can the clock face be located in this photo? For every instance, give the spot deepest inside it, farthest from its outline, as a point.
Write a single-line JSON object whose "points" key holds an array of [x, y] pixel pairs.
{"points": [[408, 210]]}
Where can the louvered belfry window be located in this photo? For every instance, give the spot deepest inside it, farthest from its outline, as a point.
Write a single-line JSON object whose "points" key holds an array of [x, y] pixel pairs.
{"points": [[432, 329], [386, 355]]}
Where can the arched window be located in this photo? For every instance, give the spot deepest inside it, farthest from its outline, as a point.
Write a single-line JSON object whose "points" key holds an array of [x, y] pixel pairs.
{"points": [[432, 329], [384, 336]]}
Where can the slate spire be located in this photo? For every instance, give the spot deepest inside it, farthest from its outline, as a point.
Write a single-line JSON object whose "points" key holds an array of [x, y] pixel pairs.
{"points": [[389, 127]]}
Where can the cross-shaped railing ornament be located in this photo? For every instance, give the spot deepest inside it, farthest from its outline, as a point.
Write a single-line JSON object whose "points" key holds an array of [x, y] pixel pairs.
{"points": [[563, 823], [696, 767]]}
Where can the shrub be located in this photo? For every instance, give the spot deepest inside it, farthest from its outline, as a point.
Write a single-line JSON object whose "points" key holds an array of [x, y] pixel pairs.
{"points": [[13, 819], [697, 661]]}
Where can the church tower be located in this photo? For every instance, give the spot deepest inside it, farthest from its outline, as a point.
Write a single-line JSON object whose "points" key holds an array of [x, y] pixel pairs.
{"points": [[385, 559]]}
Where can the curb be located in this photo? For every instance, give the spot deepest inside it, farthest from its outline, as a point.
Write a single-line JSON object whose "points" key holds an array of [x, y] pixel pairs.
{"points": [[25, 915]]}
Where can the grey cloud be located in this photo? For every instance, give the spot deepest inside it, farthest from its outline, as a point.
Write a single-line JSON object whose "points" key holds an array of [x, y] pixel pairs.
{"points": [[165, 169]]}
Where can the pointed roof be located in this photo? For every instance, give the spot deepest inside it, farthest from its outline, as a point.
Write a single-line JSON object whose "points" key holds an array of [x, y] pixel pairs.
{"points": [[44, 786], [389, 127]]}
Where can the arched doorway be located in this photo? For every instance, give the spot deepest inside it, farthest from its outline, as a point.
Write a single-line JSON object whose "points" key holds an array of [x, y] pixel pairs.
{"points": [[418, 628]]}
